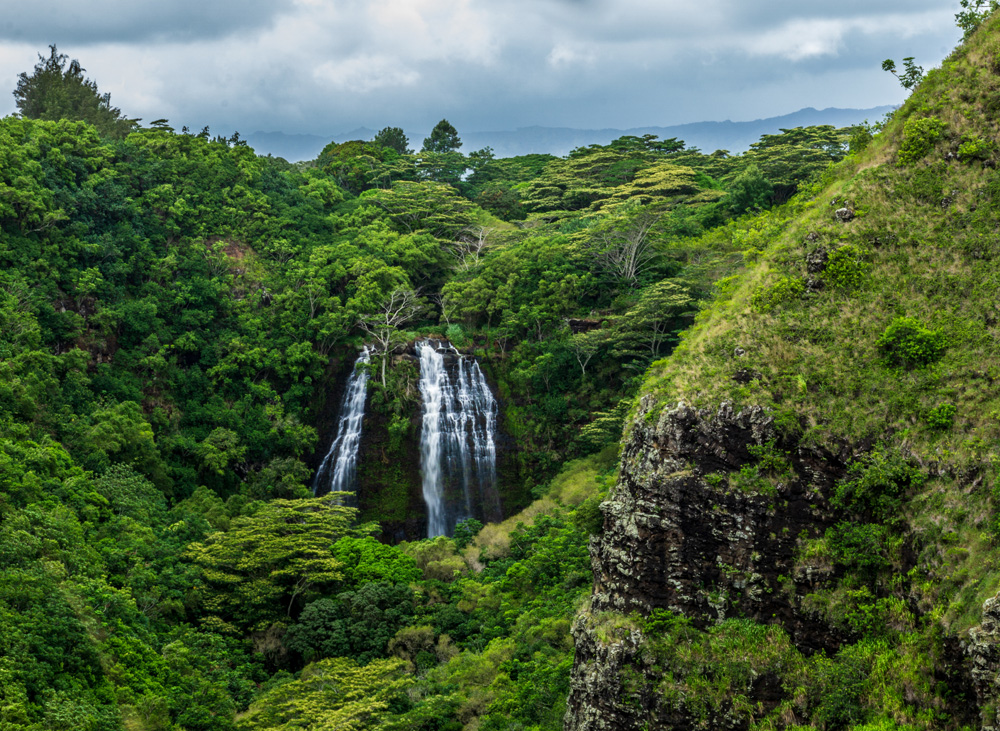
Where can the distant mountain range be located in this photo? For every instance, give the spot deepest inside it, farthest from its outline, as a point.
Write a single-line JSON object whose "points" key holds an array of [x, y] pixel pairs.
{"points": [[707, 136]]}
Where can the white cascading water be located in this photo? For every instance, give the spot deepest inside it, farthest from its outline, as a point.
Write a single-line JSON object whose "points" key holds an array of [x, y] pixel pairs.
{"points": [[338, 471], [457, 437]]}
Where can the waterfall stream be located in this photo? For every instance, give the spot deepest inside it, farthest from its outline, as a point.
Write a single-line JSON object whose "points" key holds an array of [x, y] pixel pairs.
{"points": [[338, 471], [457, 437]]}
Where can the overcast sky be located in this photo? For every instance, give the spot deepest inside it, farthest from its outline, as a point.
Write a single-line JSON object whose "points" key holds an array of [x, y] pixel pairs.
{"points": [[329, 66]]}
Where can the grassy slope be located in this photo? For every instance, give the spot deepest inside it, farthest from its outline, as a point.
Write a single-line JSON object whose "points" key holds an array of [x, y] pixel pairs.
{"points": [[925, 235], [925, 246]]}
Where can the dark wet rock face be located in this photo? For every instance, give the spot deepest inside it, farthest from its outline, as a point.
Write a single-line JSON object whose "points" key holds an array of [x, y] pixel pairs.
{"points": [[677, 537]]}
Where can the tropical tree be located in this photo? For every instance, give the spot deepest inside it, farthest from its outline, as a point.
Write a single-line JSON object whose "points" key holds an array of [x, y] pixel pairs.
{"points": [[444, 138], [267, 560], [394, 138], [56, 91], [331, 694], [972, 14], [749, 191], [663, 310], [911, 75], [469, 246], [622, 245]]}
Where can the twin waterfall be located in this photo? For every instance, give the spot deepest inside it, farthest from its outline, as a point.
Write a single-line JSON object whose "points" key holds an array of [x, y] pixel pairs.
{"points": [[457, 437]]}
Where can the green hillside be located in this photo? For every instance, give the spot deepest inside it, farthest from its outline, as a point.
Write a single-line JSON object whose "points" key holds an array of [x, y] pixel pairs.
{"points": [[866, 329]]}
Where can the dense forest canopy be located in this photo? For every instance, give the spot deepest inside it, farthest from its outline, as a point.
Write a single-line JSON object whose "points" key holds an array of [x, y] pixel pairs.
{"points": [[175, 315]]}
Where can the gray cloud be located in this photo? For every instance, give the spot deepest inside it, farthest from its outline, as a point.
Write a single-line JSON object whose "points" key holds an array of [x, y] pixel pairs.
{"points": [[325, 66], [129, 21]]}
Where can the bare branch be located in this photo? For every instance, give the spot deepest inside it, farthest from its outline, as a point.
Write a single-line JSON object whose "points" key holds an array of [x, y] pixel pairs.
{"points": [[624, 249], [468, 247], [400, 307]]}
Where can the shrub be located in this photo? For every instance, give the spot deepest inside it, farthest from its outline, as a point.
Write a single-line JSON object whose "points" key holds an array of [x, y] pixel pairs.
{"points": [[749, 191], [588, 518], [865, 547], [908, 344], [465, 531], [847, 267], [784, 290], [771, 466], [876, 484], [975, 148], [941, 416], [919, 136], [456, 335], [861, 137]]}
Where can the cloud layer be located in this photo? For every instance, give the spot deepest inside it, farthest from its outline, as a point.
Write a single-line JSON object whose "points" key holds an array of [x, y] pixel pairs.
{"points": [[326, 66]]}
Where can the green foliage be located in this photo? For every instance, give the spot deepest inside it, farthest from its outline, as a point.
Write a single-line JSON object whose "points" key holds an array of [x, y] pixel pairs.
{"points": [[769, 468], [465, 531], [877, 484], [55, 91], [792, 158], [444, 138], [973, 147], [785, 290], [847, 267], [257, 569], [861, 136], [909, 344], [749, 191], [331, 694], [972, 15], [393, 137], [364, 560], [911, 76], [919, 136], [869, 548], [941, 416], [357, 624]]}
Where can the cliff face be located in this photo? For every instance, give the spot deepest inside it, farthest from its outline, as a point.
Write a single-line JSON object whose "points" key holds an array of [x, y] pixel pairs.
{"points": [[674, 541]]}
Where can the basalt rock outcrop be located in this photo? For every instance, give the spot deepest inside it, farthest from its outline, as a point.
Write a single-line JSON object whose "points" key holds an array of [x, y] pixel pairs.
{"points": [[675, 539]]}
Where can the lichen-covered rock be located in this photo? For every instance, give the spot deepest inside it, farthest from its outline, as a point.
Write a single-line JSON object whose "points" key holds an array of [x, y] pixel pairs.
{"points": [[677, 536], [817, 260], [982, 648]]}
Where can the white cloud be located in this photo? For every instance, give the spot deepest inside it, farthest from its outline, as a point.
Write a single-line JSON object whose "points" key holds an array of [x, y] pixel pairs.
{"points": [[364, 74], [565, 54], [803, 38]]}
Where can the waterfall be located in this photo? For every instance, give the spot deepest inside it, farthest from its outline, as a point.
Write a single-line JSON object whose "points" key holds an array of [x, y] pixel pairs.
{"points": [[338, 471], [457, 437]]}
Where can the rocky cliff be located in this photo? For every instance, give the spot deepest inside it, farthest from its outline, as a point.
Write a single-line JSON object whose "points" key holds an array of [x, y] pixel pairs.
{"points": [[679, 537]]}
